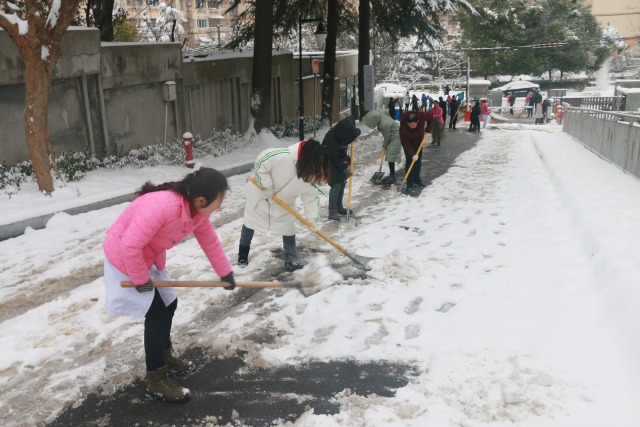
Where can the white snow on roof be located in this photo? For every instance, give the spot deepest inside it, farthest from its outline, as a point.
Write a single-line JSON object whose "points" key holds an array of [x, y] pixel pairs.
{"points": [[479, 82]]}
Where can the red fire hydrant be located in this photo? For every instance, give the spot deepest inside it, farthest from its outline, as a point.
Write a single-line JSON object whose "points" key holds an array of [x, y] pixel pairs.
{"points": [[187, 142]]}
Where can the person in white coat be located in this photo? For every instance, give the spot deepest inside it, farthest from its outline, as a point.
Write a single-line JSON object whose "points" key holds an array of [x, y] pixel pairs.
{"points": [[286, 173]]}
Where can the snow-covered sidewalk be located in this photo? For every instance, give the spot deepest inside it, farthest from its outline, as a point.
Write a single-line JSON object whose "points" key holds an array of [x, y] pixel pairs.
{"points": [[510, 283]]}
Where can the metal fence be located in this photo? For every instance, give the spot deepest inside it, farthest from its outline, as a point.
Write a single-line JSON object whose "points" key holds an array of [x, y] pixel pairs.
{"points": [[604, 103], [613, 136]]}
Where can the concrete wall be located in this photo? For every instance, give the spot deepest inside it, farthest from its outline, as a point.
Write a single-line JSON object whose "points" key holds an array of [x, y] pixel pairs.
{"points": [[78, 68], [110, 94]]}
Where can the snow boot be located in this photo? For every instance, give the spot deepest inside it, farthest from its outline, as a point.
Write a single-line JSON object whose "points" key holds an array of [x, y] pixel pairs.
{"points": [[333, 202], [161, 387], [340, 208], [176, 366], [291, 260], [391, 179], [243, 255]]}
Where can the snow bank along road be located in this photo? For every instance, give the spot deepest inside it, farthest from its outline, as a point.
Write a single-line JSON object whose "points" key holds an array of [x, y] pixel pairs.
{"points": [[509, 284]]}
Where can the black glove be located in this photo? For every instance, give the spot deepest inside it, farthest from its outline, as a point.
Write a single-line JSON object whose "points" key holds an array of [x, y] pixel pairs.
{"points": [[230, 280], [146, 287]]}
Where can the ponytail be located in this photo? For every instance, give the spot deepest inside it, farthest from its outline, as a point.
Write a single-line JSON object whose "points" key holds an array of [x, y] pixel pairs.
{"points": [[313, 165], [205, 182]]}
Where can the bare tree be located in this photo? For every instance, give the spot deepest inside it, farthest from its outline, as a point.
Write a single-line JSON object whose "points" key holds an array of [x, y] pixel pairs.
{"points": [[37, 27]]}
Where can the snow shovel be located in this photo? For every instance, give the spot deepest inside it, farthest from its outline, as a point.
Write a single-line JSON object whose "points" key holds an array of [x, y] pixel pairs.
{"points": [[377, 177], [412, 162], [350, 182], [307, 289], [359, 261]]}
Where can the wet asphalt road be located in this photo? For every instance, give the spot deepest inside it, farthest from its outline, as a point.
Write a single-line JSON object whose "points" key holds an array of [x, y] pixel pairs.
{"points": [[263, 395]]}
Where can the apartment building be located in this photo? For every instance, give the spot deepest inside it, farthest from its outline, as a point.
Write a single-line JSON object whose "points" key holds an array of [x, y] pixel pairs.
{"points": [[624, 15], [203, 17]]}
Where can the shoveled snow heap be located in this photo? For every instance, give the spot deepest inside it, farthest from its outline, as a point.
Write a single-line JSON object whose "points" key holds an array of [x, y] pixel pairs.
{"points": [[316, 276]]}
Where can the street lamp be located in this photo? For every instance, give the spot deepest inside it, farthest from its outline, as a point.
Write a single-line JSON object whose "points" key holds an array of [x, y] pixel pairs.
{"points": [[321, 35]]}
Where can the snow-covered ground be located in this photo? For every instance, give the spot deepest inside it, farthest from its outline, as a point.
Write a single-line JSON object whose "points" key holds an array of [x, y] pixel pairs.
{"points": [[510, 284]]}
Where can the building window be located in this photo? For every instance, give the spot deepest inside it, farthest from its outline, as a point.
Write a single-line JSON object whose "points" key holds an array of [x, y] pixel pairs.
{"points": [[213, 4], [202, 23], [200, 4], [214, 22], [181, 4]]}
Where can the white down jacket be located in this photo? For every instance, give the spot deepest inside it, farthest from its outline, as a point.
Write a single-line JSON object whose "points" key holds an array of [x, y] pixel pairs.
{"points": [[275, 169]]}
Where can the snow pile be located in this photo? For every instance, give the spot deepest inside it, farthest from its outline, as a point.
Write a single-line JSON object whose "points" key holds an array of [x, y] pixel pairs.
{"points": [[316, 276], [394, 268]]}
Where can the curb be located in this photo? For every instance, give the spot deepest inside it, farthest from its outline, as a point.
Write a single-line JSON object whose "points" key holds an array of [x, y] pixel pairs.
{"points": [[16, 229]]}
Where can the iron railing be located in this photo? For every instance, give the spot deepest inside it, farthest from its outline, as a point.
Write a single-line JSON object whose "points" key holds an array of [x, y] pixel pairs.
{"points": [[614, 136]]}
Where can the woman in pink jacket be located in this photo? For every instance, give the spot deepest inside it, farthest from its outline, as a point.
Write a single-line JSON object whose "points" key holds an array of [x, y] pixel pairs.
{"points": [[436, 133], [484, 110], [135, 249]]}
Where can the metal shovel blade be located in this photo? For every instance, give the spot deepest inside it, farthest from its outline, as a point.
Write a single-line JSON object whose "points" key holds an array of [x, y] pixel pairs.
{"points": [[360, 261], [377, 177]]}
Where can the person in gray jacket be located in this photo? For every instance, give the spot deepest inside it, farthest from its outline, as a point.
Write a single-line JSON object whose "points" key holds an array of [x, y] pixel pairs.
{"points": [[391, 143]]}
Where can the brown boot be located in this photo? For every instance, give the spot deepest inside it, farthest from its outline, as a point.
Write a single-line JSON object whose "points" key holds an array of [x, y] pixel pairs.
{"points": [[176, 366], [161, 387]]}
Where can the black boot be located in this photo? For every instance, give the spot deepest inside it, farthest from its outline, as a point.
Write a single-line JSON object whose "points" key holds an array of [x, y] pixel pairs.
{"points": [[291, 260], [243, 255], [334, 215], [391, 179], [340, 207]]}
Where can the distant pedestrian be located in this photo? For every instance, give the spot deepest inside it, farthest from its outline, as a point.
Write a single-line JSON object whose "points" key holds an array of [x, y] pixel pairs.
{"points": [[447, 89], [512, 100], [425, 102], [392, 107], [475, 118], [528, 103], [438, 124], [454, 106], [414, 103], [443, 105], [407, 101], [484, 110]]}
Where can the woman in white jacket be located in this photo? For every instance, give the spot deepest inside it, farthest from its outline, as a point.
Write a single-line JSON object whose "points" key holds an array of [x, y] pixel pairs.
{"points": [[286, 173]]}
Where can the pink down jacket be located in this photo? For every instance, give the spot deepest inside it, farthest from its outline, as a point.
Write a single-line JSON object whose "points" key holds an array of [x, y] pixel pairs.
{"points": [[149, 226]]}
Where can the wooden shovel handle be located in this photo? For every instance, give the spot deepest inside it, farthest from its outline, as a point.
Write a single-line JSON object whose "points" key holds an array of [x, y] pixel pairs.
{"points": [[382, 159], [204, 284], [294, 213], [417, 154], [350, 179]]}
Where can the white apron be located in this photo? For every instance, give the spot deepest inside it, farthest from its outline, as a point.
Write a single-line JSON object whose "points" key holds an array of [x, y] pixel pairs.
{"points": [[121, 301]]}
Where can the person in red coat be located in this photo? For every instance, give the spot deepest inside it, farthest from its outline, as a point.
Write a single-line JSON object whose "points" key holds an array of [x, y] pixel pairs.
{"points": [[412, 131]]}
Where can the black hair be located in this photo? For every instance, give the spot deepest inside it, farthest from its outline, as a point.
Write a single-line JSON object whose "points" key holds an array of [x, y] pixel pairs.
{"points": [[413, 118], [313, 165], [205, 182]]}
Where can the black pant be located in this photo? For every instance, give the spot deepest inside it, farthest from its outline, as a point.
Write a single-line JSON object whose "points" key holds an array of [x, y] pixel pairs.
{"points": [[474, 122], [414, 176], [392, 168], [157, 331], [246, 236], [453, 121]]}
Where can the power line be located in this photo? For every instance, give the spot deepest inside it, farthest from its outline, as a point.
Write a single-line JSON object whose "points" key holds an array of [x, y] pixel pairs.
{"points": [[478, 49]]}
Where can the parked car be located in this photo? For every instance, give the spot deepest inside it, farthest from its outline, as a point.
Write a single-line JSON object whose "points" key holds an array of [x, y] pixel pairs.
{"points": [[521, 88]]}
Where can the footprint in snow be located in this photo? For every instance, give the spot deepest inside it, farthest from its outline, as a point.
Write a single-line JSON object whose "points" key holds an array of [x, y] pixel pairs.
{"points": [[411, 331], [414, 306], [446, 244], [466, 221], [446, 307], [471, 233], [376, 338]]}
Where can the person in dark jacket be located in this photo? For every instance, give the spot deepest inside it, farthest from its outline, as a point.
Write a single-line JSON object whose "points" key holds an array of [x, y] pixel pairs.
{"points": [[412, 131], [453, 106], [414, 103], [425, 102], [443, 105], [447, 89], [336, 142], [512, 100], [392, 107], [475, 117]]}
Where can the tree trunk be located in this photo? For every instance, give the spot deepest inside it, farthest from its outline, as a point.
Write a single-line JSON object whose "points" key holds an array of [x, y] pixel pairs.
{"points": [[364, 46], [333, 15], [261, 80], [36, 118]]}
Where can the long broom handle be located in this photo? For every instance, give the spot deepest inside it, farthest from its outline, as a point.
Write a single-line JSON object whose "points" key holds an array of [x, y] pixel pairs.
{"points": [[205, 284], [350, 181], [304, 221], [417, 154], [382, 160]]}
